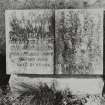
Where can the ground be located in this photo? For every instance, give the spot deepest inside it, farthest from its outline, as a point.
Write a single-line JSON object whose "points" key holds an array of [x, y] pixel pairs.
{"points": [[48, 96]]}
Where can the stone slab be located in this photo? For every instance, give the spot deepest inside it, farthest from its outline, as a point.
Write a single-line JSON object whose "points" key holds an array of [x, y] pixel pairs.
{"points": [[78, 86], [29, 41], [79, 41]]}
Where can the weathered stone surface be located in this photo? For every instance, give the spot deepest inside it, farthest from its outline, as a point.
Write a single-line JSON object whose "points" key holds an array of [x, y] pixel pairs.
{"points": [[29, 41], [33, 4], [20, 84], [81, 85], [25, 4], [79, 41], [78, 86]]}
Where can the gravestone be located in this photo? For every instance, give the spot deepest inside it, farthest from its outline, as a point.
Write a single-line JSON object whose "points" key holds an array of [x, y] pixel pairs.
{"points": [[29, 41], [79, 41], [65, 43]]}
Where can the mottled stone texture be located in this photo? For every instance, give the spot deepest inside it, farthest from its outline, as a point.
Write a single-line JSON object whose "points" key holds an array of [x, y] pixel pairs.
{"points": [[79, 41], [32, 4], [35, 4], [30, 41], [78, 86]]}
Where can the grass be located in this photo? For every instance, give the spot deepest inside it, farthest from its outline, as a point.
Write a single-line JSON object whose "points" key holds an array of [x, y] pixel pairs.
{"points": [[48, 96]]}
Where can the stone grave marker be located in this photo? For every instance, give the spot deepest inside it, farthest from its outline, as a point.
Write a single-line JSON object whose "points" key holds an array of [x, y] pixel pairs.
{"points": [[29, 41], [79, 41]]}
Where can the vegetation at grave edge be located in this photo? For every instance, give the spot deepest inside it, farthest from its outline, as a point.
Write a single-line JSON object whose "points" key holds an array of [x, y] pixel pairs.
{"points": [[43, 95], [77, 42]]}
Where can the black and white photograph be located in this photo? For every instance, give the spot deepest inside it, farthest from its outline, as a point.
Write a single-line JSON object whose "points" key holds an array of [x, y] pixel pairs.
{"points": [[52, 52]]}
